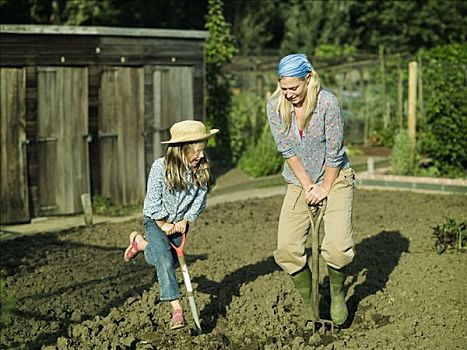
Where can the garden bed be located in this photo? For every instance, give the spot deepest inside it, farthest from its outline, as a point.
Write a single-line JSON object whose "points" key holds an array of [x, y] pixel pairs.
{"points": [[73, 290]]}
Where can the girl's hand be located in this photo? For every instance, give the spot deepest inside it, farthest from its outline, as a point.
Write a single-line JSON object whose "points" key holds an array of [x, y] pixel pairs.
{"points": [[315, 194], [168, 228], [181, 226]]}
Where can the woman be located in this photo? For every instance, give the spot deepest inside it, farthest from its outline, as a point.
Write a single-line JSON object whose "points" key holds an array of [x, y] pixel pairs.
{"points": [[308, 127]]}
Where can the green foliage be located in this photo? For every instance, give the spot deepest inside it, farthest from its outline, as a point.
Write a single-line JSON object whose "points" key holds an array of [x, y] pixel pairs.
{"points": [[335, 52], [450, 235], [353, 151], [246, 122], [252, 27], [220, 50], [90, 12], [404, 155], [7, 303], [406, 26], [309, 24], [382, 136], [442, 133], [262, 158], [103, 206]]}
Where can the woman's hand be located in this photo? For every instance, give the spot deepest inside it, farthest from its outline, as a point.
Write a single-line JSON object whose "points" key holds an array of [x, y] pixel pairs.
{"points": [[315, 194], [181, 226]]}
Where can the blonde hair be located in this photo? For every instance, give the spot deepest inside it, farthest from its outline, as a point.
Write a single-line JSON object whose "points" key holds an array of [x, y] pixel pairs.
{"points": [[284, 107], [177, 166]]}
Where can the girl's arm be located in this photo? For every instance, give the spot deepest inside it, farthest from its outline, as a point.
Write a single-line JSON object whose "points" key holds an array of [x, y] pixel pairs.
{"points": [[153, 201], [198, 205]]}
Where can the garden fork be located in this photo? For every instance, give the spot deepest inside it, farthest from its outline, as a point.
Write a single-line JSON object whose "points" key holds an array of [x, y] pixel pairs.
{"points": [[317, 323]]}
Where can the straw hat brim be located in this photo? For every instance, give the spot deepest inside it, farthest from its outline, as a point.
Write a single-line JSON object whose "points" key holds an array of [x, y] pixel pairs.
{"points": [[192, 138]]}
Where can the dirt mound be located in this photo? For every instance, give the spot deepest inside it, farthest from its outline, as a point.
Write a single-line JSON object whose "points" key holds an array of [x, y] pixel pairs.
{"points": [[73, 290]]}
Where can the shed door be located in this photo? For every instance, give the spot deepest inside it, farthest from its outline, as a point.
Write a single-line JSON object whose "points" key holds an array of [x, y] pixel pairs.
{"points": [[171, 101], [14, 183], [121, 134], [62, 129]]}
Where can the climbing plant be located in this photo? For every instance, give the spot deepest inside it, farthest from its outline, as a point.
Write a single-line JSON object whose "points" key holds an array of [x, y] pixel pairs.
{"points": [[220, 50]]}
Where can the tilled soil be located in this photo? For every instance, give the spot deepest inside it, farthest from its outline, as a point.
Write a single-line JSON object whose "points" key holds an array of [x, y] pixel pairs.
{"points": [[74, 291]]}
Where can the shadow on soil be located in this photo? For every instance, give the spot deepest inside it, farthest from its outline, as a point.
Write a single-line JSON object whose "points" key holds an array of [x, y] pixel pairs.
{"points": [[375, 259], [73, 282], [223, 292], [90, 272]]}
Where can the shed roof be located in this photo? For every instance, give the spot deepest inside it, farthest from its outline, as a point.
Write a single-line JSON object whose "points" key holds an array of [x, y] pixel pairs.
{"points": [[101, 31]]}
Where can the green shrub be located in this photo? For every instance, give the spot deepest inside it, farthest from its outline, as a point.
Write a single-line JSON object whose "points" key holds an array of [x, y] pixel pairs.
{"points": [[404, 155], [246, 122], [450, 235], [262, 158], [103, 206], [442, 132], [352, 151]]}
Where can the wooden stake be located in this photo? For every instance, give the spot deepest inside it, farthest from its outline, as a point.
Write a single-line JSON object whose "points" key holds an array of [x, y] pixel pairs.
{"points": [[87, 208], [412, 119]]}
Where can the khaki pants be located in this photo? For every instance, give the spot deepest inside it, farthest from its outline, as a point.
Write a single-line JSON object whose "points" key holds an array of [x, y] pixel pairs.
{"points": [[294, 225]]}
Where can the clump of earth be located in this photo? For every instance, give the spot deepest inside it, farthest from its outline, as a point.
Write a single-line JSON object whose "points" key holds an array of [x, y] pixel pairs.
{"points": [[74, 291]]}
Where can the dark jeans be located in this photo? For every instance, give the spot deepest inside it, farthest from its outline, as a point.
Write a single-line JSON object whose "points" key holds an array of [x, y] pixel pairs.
{"points": [[160, 254]]}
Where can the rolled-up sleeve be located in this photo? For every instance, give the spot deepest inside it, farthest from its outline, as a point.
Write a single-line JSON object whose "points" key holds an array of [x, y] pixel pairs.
{"points": [[284, 144], [334, 125], [153, 203], [199, 203]]}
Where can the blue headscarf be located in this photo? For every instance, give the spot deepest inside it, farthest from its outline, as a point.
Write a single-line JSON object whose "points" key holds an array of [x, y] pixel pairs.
{"points": [[295, 65]]}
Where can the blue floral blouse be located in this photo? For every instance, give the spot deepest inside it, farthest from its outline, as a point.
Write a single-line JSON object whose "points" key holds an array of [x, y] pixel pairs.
{"points": [[322, 142], [172, 206]]}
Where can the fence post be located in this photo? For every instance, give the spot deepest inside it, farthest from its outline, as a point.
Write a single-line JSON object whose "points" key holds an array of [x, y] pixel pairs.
{"points": [[412, 118]]}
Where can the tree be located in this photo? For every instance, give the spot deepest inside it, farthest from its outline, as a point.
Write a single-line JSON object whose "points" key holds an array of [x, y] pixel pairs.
{"points": [[310, 24], [403, 26]]}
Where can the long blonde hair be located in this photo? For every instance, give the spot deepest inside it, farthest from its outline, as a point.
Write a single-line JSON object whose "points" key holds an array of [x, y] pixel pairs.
{"points": [[285, 108], [177, 166]]}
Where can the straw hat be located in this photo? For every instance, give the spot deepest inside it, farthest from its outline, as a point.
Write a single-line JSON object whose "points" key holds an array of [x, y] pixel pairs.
{"points": [[189, 131]]}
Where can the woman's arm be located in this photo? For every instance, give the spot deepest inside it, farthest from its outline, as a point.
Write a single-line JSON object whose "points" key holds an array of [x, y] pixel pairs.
{"points": [[318, 192], [296, 166], [334, 130]]}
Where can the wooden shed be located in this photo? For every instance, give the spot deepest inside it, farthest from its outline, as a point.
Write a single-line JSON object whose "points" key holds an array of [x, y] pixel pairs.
{"points": [[83, 110]]}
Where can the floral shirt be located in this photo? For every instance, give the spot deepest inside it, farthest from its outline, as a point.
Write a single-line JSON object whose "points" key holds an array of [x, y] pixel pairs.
{"points": [[322, 142], [172, 206]]}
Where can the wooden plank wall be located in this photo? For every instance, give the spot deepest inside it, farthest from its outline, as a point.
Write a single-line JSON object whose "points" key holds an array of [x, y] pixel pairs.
{"points": [[63, 161], [168, 99], [95, 52], [121, 134], [14, 188]]}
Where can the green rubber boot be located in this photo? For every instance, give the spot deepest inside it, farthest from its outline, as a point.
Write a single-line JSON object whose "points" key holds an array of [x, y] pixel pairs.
{"points": [[302, 281], [339, 311]]}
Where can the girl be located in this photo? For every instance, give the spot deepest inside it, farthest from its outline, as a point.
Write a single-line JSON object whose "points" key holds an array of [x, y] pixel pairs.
{"points": [[176, 195], [308, 127]]}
